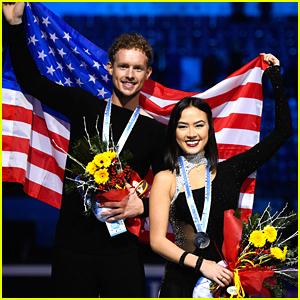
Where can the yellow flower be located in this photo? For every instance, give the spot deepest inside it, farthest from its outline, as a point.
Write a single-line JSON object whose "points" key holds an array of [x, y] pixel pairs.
{"points": [[271, 233], [91, 168], [284, 253], [111, 154], [278, 253], [102, 160], [257, 238], [101, 176]]}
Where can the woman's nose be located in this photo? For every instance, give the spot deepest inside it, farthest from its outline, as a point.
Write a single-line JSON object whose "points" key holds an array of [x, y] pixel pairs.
{"points": [[191, 132]]}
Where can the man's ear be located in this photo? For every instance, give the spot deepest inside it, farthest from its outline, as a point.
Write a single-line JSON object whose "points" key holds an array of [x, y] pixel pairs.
{"points": [[149, 71], [109, 67]]}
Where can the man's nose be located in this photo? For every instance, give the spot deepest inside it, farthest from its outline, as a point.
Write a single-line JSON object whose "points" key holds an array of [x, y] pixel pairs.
{"points": [[129, 73]]}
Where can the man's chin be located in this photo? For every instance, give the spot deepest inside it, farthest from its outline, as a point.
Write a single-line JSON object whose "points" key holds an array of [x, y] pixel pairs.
{"points": [[125, 96]]}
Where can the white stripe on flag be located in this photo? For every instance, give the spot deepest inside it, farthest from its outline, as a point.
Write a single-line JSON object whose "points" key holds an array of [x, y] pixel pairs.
{"points": [[57, 126], [241, 137], [158, 101], [54, 124], [13, 159], [44, 178], [251, 76], [247, 106], [246, 201], [161, 119], [16, 98], [16, 128], [43, 144]]}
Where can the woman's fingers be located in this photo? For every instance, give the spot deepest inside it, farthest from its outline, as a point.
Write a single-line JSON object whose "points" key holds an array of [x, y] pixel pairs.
{"points": [[270, 59]]}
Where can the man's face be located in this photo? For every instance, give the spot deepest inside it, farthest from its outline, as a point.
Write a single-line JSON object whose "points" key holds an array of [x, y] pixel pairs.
{"points": [[129, 72]]}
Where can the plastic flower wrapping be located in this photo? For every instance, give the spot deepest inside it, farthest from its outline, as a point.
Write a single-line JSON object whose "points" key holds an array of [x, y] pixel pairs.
{"points": [[258, 253]]}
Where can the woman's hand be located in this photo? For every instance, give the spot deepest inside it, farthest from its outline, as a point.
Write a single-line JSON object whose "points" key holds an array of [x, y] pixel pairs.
{"points": [[216, 272], [270, 59], [13, 12]]}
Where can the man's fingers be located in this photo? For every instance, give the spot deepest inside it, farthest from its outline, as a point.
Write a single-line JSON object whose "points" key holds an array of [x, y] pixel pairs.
{"points": [[129, 188], [111, 204], [115, 218], [112, 212]]}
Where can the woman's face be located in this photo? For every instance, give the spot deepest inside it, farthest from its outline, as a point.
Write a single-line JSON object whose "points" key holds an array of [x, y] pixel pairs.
{"points": [[192, 130]]}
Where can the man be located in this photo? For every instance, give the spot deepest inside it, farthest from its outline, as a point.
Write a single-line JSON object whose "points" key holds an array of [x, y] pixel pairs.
{"points": [[87, 261]]}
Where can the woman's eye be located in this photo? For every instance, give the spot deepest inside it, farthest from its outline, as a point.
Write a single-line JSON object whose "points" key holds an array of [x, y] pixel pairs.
{"points": [[200, 125], [181, 126]]}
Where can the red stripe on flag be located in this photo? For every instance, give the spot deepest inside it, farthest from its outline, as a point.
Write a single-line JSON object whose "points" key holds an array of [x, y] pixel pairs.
{"points": [[248, 186], [42, 193], [238, 121], [13, 174], [154, 88], [13, 143], [155, 108], [45, 161], [35, 157], [32, 189], [40, 126], [226, 151], [16, 113], [249, 90]]}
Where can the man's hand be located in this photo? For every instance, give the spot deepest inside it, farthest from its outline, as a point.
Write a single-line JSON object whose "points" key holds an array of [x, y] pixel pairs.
{"points": [[130, 206], [13, 12]]}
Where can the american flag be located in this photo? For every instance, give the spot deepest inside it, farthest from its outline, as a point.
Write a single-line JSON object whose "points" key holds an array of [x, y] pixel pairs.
{"points": [[63, 55]]}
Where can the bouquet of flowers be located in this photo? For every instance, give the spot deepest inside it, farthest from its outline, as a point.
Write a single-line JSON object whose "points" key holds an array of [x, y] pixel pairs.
{"points": [[100, 175], [258, 255]]}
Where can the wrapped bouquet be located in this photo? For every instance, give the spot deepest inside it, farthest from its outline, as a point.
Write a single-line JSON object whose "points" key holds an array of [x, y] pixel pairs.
{"points": [[258, 255], [100, 175]]}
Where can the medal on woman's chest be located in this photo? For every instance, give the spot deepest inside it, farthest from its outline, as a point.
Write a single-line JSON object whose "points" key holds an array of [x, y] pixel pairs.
{"points": [[201, 238]]}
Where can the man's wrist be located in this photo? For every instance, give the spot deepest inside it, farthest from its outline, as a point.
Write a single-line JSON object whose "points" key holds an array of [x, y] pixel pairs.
{"points": [[16, 21]]}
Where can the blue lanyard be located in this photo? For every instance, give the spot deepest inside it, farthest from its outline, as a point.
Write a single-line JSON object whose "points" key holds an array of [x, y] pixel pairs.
{"points": [[200, 224], [126, 132]]}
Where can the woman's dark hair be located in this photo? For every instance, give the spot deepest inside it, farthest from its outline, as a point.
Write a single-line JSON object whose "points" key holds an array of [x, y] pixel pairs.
{"points": [[173, 151]]}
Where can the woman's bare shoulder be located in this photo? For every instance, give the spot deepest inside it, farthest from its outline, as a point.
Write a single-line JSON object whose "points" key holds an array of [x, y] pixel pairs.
{"points": [[165, 175]]}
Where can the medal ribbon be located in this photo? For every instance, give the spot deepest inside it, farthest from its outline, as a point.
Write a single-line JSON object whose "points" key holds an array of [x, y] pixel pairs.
{"points": [[201, 225], [126, 132]]}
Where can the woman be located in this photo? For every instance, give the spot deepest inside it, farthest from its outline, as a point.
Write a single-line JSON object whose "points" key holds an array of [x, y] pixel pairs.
{"points": [[198, 236]]}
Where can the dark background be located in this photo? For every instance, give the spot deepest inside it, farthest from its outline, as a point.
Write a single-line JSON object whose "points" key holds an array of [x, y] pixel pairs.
{"points": [[196, 45]]}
